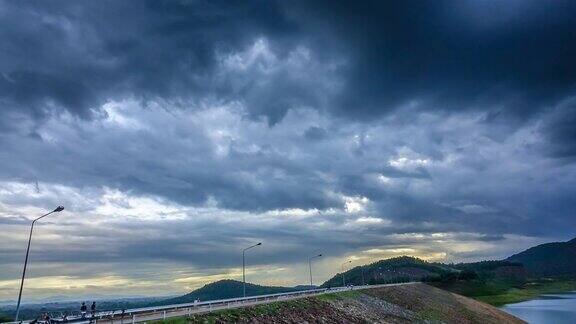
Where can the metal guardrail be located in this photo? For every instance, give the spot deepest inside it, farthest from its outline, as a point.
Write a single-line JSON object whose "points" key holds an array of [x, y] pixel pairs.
{"points": [[165, 311]]}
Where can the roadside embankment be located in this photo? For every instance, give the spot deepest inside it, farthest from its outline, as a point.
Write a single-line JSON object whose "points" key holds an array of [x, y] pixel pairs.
{"points": [[414, 303]]}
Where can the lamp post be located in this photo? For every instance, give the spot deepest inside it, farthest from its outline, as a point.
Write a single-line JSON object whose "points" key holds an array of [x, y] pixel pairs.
{"points": [[244, 266], [310, 266], [344, 280], [58, 209]]}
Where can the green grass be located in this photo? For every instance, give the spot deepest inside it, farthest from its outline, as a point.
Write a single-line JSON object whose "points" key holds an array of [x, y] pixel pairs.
{"points": [[174, 320], [528, 291], [498, 293], [339, 295], [430, 315], [475, 288]]}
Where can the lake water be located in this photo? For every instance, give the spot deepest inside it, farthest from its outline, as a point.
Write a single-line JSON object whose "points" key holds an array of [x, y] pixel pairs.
{"points": [[556, 309]]}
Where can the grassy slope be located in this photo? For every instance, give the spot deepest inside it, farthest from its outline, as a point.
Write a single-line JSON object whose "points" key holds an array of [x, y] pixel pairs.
{"points": [[500, 292], [529, 291], [432, 304]]}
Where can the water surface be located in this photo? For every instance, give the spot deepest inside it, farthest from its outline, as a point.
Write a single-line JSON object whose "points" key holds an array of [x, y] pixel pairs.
{"points": [[554, 308]]}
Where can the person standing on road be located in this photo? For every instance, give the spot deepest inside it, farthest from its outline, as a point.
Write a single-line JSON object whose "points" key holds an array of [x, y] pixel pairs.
{"points": [[122, 318], [93, 309], [83, 309]]}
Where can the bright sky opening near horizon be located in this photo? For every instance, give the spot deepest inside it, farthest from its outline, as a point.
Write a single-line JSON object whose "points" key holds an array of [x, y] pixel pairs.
{"points": [[176, 133]]}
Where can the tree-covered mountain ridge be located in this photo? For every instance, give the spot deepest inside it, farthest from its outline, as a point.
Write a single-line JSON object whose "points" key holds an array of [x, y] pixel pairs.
{"points": [[555, 260], [550, 260]]}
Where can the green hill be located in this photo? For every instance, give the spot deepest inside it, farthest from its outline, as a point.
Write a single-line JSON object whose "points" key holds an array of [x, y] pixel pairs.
{"points": [[492, 269], [399, 269], [481, 280], [224, 289], [556, 260]]}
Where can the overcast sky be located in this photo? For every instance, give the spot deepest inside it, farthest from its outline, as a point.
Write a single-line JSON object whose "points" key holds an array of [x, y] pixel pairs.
{"points": [[176, 133]]}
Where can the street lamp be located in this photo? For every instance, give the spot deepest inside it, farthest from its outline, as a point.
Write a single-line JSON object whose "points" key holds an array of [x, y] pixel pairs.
{"points": [[344, 280], [244, 266], [310, 265], [58, 209]]}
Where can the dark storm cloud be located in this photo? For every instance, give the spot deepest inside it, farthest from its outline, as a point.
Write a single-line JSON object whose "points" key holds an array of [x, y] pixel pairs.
{"points": [[76, 56], [515, 56], [560, 130], [443, 55], [333, 125]]}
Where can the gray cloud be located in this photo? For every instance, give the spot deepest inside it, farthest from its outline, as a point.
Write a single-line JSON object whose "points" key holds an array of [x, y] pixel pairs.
{"points": [[449, 56], [178, 132], [77, 56]]}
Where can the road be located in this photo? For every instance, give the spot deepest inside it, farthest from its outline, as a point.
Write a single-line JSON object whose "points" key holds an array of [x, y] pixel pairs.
{"points": [[205, 307]]}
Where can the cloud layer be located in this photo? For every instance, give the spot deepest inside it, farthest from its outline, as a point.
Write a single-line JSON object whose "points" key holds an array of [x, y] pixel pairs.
{"points": [[176, 133]]}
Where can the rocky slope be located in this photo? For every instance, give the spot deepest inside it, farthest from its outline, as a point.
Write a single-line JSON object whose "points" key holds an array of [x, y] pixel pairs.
{"points": [[413, 303]]}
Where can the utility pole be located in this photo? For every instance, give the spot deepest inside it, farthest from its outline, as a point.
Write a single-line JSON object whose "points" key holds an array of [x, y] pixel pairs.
{"points": [[310, 266], [244, 266], [57, 210]]}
